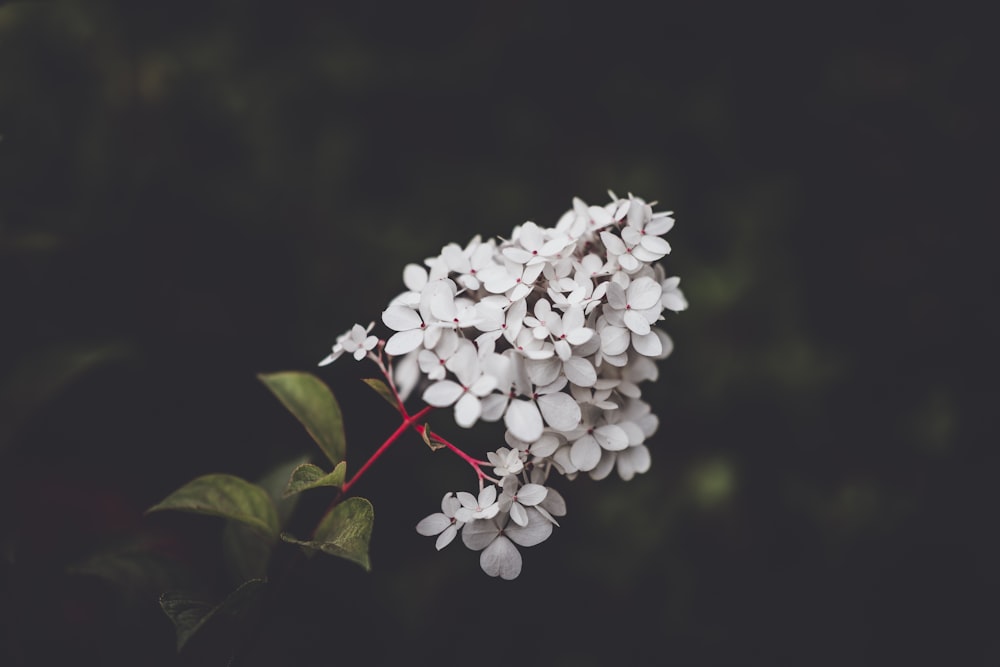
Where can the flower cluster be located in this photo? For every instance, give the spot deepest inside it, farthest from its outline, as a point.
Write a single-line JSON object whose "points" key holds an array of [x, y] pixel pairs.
{"points": [[552, 331]]}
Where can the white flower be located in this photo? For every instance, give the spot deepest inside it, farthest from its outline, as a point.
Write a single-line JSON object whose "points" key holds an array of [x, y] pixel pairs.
{"points": [[443, 523], [465, 394], [636, 307], [482, 507], [673, 298], [354, 341], [505, 461], [553, 330], [531, 245], [593, 437], [517, 498], [560, 411], [496, 539]]}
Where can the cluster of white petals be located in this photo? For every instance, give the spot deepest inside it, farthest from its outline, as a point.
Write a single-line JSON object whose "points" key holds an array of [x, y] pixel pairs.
{"points": [[552, 331]]}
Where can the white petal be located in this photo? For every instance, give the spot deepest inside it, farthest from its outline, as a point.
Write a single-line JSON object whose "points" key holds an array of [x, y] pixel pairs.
{"points": [[554, 503], [531, 274], [545, 445], [531, 494], [441, 297], [616, 360], [519, 255], [464, 363], [648, 345], [404, 341], [579, 336], [543, 371], [523, 420], [655, 245], [636, 322], [621, 209], [585, 453], [580, 372], [454, 258], [600, 216], [338, 350], [414, 277], [633, 460], [674, 301], [633, 431], [537, 531], [643, 293], [518, 515], [665, 342], [611, 437], [498, 281], [467, 410], [484, 385], [628, 262], [494, 407], [631, 236], [659, 225], [479, 533], [520, 291], [487, 496], [501, 559], [604, 466], [614, 340], [616, 296], [442, 393], [614, 244], [433, 524], [446, 536], [401, 318], [449, 504], [490, 316], [561, 412]]}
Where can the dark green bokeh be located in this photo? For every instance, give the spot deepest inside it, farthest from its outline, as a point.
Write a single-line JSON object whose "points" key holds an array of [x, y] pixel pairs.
{"points": [[194, 193]]}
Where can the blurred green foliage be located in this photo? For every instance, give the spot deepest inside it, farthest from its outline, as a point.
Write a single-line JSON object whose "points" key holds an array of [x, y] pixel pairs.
{"points": [[195, 193]]}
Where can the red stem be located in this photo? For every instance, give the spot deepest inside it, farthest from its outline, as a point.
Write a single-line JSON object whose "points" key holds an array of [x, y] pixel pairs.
{"points": [[409, 421]]}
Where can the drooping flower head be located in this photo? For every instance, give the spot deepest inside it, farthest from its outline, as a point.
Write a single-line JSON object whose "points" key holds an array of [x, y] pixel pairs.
{"points": [[551, 330]]}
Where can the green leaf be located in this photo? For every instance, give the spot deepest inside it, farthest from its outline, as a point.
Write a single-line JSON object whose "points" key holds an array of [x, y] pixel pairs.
{"points": [[247, 553], [226, 496], [41, 376], [345, 531], [193, 616], [139, 565], [383, 390], [274, 482], [309, 476], [313, 404]]}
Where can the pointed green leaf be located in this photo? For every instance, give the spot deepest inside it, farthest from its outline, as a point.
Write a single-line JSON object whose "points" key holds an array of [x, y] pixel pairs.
{"points": [[314, 406], [226, 496], [41, 376], [195, 616], [139, 565], [309, 476], [274, 482], [247, 553], [345, 531], [383, 390]]}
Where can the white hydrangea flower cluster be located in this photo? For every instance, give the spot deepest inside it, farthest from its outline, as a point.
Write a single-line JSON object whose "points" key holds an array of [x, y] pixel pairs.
{"points": [[552, 331]]}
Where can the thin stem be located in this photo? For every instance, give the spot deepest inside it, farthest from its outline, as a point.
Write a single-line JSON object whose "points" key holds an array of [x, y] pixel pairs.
{"points": [[409, 421], [475, 463]]}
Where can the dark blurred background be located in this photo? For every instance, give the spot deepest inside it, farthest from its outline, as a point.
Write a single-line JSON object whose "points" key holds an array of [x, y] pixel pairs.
{"points": [[193, 193]]}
